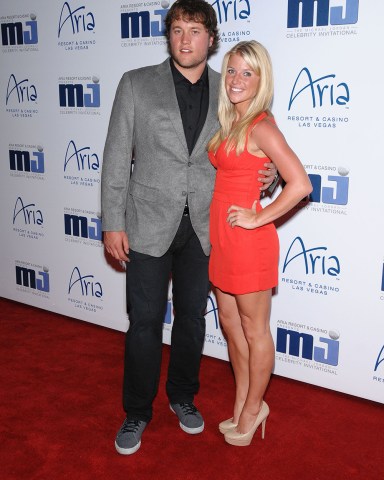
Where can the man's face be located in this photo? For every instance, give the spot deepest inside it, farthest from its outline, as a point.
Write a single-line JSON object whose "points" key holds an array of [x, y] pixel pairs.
{"points": [[189, 43]]}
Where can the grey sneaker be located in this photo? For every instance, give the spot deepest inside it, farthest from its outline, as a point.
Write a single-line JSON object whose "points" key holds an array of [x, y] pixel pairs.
{"points": [[128, 438], [190, 419]]}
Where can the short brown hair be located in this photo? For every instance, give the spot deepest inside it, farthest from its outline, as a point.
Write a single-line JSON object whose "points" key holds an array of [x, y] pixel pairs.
{"points": [[199, 11]]}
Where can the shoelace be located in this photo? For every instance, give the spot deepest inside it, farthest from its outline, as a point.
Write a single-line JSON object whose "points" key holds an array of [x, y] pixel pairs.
{"points": [[130, 426], [188, 408]]}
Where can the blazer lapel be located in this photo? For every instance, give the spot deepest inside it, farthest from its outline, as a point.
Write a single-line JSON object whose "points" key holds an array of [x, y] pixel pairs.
{"points": [[211, 122], [169, 100]]}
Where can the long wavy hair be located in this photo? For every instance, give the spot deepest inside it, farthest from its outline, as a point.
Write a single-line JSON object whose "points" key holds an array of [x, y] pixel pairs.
{"points": [[258, 60]]}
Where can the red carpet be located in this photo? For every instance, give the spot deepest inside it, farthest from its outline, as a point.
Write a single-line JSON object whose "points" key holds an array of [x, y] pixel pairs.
{"points": [[60, 410]]}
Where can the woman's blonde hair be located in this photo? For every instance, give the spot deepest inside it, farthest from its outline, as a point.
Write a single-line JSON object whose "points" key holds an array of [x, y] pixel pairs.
{"points": [[258, 60]]}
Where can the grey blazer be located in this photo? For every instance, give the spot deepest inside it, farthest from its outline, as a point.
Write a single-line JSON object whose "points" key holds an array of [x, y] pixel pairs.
{"points": [[146, 124]]}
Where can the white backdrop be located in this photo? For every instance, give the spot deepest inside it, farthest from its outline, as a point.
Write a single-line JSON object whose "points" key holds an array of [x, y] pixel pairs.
{"points": [[60, 65]]}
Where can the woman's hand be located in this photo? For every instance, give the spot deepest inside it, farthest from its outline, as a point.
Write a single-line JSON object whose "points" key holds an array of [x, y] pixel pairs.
{"points": [[242, 217]]}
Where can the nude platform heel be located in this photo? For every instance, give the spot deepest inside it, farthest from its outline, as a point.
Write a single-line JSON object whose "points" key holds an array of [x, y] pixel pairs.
{"points": [[234, 437], [227, 425]]}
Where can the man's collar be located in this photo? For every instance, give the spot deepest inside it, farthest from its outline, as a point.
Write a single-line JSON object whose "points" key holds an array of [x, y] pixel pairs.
{"points": [[178, 77]]}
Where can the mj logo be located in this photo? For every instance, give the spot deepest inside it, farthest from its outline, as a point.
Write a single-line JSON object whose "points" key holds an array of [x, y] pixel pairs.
{"points": [[325, 14], [18, 33], [21, 160], [302, 344], [139, 24], [27, 277], [75, 94], [335, 194]]}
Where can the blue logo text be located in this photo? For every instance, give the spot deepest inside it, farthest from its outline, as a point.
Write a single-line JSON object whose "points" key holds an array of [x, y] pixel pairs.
{"points": [[295, 342], [19, 34], [336, 195], [85, 283], [23, 90], [82, 157], [314, 260], [139, 24], [21, 161], [78, 20], [231, 9], [28, 213], [320, 91], [27, 277], [73, 95], [326, 15], [82, 226]]}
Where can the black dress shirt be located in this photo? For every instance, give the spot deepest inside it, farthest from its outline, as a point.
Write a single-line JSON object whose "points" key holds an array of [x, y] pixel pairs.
{"points": [[193, 100]]}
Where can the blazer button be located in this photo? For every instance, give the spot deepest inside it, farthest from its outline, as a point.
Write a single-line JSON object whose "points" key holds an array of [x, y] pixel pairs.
{"points": [[189, 164], [184, 194]]}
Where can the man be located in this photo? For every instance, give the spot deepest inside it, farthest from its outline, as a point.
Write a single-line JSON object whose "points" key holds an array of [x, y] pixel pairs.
{"points": [[156, 220]]}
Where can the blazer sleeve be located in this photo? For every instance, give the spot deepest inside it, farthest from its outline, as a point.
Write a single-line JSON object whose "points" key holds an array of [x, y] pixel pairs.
{"points": [[117, 158]]}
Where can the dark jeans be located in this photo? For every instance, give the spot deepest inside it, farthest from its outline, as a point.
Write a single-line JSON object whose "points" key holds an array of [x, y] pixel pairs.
{"points": [[147, 294]]}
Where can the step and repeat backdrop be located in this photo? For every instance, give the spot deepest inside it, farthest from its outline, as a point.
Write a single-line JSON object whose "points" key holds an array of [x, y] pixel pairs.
{"points": [[60, 66]]}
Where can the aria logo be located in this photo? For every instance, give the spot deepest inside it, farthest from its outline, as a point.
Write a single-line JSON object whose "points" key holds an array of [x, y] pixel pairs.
{"points": [[75, 21], [81, 95], [20, 92], [213, 309], [80, 158], [317, 92], [313, 261], [85, 285], [27, 161], [27, 214], [19, 33], [232, 10], [301, 13], [380, 359], [144, 24]]}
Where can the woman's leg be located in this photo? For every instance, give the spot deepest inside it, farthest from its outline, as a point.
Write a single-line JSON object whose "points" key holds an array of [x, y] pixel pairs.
{"points": [[254, 310], [237, 347]]}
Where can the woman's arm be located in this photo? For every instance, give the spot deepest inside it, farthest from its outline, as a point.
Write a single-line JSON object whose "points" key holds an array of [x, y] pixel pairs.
{"points": [[267, 139]]}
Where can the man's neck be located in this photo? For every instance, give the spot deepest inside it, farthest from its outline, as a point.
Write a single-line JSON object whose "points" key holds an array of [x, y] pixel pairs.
{"points": [[192, 74]]}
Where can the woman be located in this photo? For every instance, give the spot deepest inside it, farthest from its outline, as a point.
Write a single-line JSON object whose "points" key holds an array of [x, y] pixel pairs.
{"points": [[244, 257]]}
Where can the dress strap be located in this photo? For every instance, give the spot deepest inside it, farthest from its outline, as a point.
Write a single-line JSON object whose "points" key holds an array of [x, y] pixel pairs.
{"points": [[259, 118]]}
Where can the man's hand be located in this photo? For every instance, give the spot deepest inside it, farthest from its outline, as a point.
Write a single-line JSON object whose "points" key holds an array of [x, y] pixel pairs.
{"points": [[270, 175], [116, 244]]}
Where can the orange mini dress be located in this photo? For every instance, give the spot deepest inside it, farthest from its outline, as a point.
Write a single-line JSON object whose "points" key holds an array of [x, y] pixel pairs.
{"points": [[241, 260]]}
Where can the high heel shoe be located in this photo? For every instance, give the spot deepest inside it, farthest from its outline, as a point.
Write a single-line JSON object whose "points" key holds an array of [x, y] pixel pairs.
{"points": [[233, 437], [227, 425]]}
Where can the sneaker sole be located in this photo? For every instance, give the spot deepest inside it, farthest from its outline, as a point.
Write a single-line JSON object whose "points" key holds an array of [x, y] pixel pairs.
{"points": [[190, 430], [127, 451]]}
